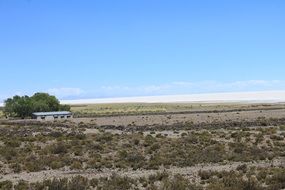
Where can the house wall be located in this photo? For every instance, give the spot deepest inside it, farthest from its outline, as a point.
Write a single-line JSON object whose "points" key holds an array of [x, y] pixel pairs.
{"points": [[51, 118], [46, 118]]}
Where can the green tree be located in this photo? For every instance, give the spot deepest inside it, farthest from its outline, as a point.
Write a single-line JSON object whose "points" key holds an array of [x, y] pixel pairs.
{"points": [[45, 102], [18, 106], [64, 107], [24, 106]]}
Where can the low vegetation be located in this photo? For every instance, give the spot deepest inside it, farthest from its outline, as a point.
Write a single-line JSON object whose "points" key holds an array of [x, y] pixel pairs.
{"points": [[114, 182], [238, 155], [252, 178], [41, 148], [36, 148]]}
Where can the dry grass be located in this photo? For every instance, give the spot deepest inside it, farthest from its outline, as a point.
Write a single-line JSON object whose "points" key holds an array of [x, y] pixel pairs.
{"points": [[111, 109], [1, 114], [141, 108]]}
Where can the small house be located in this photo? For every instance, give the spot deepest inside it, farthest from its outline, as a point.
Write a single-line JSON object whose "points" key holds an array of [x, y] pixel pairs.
{"points": [[50, 116]]}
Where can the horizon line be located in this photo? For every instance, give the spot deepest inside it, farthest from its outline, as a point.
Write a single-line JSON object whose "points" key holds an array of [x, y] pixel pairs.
{"points": [[219, 97], [223, 97]]}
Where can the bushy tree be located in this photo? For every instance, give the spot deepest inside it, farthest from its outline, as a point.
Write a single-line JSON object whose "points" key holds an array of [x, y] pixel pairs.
{"points": [[18, 106], [24, 106], [64, 107], [45, 102]]}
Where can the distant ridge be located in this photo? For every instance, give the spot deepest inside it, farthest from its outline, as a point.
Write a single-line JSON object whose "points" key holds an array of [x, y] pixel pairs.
{"points": [[250, 97]]}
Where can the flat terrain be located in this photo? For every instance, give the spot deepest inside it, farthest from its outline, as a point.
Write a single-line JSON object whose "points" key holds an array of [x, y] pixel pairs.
{"points": [[169, 114], [182, 146], [157, 108], [170, 119]]}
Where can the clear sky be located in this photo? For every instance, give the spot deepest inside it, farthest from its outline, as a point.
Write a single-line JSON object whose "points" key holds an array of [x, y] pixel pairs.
{"points": [[113, 48]]}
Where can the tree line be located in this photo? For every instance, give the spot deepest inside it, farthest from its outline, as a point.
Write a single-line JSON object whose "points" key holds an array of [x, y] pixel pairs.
{"points": [[24, 106]]}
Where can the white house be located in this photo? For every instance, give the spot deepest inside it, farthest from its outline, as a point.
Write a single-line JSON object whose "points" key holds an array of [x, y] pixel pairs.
{"points": [[50, 116]]}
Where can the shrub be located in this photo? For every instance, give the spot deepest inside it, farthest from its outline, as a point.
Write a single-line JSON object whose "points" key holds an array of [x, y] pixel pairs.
{"points": [[94, 182], [76, 165], [56, 184], [154, 147], [13, 143], [242, 168], [56, 165], [8, 153], [205, 175], [179, 183], [77, 183], [277, 180], [105, 137], [135, 160], [6, 185], [136, 142], [117, 183], [59, 148], [33, 164], [22, 185], [276, 137], [16, 167], [282, 128], [149, 140]]}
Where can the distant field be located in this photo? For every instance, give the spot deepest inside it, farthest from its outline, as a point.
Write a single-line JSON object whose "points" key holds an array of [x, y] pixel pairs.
{"points": [[1, 112], [133, 108], [145, 108], [102, 109]]}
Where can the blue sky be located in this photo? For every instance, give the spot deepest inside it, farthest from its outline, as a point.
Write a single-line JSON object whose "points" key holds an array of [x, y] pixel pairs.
{"points": [[95, 48]]}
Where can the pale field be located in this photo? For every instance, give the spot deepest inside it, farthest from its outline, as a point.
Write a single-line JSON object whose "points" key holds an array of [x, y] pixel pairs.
{"points": [[139, 108], [1, 114]]}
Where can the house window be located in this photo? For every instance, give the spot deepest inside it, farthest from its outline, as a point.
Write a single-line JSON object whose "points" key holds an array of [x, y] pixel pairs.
{"points": [[62, 117], [68, 116], [43, 117], [55, 117]]}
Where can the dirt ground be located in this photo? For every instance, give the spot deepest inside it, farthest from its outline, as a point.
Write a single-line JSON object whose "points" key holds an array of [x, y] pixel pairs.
{"points": [[169, 119]]}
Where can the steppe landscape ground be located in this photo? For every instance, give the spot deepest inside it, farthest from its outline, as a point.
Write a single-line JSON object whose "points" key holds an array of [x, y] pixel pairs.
{"points": [[148, 146]]}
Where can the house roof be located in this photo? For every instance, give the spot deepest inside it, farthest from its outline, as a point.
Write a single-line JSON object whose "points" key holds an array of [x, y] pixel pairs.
{"points": [[52, 113]]}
